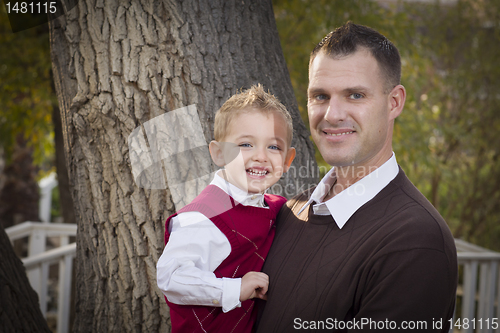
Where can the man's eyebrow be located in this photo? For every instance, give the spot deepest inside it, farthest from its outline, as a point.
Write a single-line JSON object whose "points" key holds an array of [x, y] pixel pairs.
{"points": [[319, 90], [314, 91], [356, 89]]}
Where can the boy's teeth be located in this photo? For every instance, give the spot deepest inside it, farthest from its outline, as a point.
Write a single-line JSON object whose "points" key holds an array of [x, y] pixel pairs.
{"points": [[257, 173]]}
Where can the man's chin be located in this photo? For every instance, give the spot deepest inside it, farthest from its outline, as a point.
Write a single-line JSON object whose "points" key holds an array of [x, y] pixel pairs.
{"points": [[338, 161]]}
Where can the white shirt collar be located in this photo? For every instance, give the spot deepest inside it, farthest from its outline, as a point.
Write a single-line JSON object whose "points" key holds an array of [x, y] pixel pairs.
{"points": [[243, 197], [343, 205]]}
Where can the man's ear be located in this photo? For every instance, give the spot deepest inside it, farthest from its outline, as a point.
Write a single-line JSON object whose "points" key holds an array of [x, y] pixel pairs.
{"points": [[290, 155], [397, 98], [217, 153]]}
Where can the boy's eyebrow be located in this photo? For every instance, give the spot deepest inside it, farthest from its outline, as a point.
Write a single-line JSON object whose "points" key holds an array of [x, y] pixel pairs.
{"points": [[244, 136]]}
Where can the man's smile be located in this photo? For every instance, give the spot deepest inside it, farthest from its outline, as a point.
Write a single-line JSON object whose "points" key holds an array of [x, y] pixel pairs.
{"points": [[338, 134]]}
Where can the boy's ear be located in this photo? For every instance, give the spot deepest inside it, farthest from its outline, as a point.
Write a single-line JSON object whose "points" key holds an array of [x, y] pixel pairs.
{"points": [[217, 153], [290, 155]]}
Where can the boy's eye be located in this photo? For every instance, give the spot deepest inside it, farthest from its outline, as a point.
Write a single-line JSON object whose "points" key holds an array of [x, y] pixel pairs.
{"points": [[247, 145], [274, 147]]}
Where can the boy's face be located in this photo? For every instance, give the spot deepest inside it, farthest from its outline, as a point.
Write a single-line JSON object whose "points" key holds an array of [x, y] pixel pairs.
{"points": [[255, 150]]}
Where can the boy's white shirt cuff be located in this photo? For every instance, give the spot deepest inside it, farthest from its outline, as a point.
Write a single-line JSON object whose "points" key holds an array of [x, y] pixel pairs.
{"points": [[231, 289]]}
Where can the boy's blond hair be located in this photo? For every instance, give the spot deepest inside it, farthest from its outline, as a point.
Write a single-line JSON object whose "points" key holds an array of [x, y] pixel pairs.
{"points": [[253, 98]]}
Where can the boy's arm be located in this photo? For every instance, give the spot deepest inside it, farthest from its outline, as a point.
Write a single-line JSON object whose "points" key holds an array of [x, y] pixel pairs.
{"points": [[196, 247]]}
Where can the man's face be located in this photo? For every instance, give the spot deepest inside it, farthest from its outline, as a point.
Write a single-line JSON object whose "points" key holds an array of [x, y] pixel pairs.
{"points": [[350, 114]]}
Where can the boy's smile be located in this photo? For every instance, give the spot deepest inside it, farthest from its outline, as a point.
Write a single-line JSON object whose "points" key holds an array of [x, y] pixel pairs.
{"points": [[255, 151], [256, 173]]}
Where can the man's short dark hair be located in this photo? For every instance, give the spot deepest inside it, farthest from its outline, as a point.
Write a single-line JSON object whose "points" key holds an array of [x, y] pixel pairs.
{"points": [[346, 40]]}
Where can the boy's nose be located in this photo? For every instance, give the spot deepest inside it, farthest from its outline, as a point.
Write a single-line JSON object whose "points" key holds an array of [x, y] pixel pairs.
{"points": [[260, 155]]}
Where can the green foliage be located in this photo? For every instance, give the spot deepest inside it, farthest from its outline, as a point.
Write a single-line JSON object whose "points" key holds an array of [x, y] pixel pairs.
{"points": [[26, 96], [446, 138]]}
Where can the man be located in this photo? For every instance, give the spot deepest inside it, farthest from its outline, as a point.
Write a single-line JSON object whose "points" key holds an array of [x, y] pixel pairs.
{"points": [[364, 250]]}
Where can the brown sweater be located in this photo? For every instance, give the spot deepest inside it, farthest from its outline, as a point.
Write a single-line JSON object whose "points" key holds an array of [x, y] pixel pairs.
{"points": [[393, 266]]}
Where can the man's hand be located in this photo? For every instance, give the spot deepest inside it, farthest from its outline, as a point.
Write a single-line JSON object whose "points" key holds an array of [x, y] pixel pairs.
{"points": [[254, 285]]}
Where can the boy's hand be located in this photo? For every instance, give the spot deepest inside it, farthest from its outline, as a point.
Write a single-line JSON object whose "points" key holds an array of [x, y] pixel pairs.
{"points": [[254, 285]]}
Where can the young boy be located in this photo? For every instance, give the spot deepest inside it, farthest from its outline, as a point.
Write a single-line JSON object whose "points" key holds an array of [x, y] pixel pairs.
{"points": [[216, 245]]}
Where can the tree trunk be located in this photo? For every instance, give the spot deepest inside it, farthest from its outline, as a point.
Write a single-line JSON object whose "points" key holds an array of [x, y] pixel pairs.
{"points": [[19, 307], [117, 65], [63, 182]]}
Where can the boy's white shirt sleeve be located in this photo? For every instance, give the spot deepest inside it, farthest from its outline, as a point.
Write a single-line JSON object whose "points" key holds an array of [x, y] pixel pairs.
{"points": [[196, 247]]}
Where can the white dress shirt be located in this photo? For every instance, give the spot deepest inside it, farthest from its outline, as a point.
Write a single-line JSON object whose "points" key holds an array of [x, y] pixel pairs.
{"points": [[196, 247], [343, 205]]}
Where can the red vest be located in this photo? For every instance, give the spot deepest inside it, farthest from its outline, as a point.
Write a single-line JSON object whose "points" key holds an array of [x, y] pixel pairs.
{"points": [[250, 231]]}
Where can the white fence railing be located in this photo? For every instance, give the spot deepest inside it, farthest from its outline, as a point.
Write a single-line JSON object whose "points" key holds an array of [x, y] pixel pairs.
{"points": [[479, 292], [39, 259]]}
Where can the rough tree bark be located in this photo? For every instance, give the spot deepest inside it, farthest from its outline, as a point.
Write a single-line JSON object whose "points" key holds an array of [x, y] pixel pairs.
{"points": [[67, 210], [117, 64], [19, 307]]}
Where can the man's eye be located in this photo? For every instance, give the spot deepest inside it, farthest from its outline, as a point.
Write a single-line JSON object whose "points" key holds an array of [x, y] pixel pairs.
{"points": [[356, 96], [320, 97]]}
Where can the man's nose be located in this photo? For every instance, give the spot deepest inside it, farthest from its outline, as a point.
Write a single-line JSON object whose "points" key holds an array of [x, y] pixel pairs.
{"points": [[336, 111]]}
